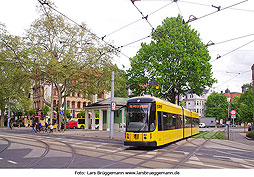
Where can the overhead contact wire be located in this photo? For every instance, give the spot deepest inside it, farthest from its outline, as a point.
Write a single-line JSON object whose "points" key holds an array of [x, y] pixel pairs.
{"points": [[137, 20], [218, 57], [43, 2]]}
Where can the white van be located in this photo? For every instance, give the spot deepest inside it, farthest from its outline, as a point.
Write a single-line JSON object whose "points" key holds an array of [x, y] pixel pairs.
{"points": [[201, 125]]}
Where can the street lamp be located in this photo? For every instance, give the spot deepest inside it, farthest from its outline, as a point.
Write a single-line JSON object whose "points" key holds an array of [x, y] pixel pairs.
{"points": [[252, 68]]}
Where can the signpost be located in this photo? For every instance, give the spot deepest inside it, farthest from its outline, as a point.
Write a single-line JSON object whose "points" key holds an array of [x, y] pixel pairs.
{"points": [[113, 106], [61, 112], [233, 116], [112, 103], [233, 112]]}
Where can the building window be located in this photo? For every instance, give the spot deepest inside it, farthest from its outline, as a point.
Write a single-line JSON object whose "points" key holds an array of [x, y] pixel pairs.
{"points": [[54, 91], [54, 103], [101, 95], [84, 104], [79, 94], [73, 93], [68, 104], [73, 105], [78, 105], [89, 103]]}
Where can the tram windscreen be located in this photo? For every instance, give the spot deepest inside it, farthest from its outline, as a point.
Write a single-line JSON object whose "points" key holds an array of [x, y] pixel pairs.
{"points": [[140, 118]]}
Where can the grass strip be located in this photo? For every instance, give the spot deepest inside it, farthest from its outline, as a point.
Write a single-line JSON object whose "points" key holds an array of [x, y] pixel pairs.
{"points": [[209, 134]]}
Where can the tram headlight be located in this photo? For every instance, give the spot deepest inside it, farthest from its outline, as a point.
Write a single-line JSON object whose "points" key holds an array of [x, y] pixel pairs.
{"points": [[127, 136], [145, 136]]}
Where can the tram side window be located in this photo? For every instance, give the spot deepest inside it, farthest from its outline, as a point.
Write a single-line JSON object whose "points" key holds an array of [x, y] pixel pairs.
{"points": [[187, 122], [169, 121], [152, 121], [179, 121], [160, 121], [195, 122]]}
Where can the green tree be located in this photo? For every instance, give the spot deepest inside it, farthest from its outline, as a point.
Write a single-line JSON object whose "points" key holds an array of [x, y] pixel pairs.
{"points": [[31, 112], [120, 83], [83, 113], [234, 105], [217, 106], [45, 109], [176, 58], [245, 109], [15, 83], [67, 55]]}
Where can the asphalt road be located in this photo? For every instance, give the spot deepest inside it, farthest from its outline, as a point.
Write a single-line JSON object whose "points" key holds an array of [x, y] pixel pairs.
{"points": [[23, 150]]}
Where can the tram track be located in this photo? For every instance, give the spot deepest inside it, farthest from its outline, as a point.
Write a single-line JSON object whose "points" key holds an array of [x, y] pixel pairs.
{"points": [[194, 152], [6, 147], [15, 140], [43, 155], [117, 154], [159, 150], [46, 145], [224, 159]]}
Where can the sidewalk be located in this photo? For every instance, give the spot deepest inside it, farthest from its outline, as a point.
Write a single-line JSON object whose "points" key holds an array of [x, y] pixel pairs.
{"points": [[96, 134], [241, 138]]}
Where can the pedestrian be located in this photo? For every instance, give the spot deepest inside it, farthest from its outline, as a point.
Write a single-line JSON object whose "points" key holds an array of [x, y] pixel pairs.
{"points": [[33, 128], [37, 127], [40, 126], [62, 127], [11, 125], [46, 126], [51, 128]]}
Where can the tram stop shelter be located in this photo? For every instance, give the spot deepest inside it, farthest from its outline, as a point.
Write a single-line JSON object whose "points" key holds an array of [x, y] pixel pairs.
{"points": [[103, 109]]}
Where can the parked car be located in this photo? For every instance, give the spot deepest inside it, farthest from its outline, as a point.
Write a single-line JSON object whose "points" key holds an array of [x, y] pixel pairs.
{"points": [[250, 128], [72, 124], [221, 125], [201, 125]]}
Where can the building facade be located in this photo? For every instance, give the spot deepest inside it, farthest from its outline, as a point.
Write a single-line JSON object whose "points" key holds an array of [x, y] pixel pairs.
{"points": [[196, 103], [75, 102]]}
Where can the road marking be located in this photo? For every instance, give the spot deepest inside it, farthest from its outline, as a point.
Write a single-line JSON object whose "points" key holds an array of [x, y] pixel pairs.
{"points": [[10, 161], [168, 159], [242, 162], [1, 158]]}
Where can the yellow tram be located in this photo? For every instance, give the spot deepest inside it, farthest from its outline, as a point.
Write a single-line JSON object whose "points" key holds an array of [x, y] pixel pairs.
{"points": [[151, 121]]}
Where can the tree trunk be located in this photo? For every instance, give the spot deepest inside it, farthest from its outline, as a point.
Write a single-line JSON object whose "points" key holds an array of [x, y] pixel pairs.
{"points": [[171, 96], [2, 116], [59, 105]]}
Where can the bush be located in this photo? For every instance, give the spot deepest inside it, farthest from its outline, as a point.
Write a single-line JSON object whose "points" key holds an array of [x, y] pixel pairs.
{"points": [[250, 134]]}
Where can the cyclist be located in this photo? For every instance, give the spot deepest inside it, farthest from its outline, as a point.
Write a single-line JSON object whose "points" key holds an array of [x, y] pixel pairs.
{"points": [[46, 126]]}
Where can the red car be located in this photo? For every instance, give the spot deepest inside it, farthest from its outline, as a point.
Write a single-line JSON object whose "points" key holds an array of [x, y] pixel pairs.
{"points": [[72, 124]]}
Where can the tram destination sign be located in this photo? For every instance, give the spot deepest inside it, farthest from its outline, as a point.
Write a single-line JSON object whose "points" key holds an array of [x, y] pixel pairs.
{"points": [[138, 106]]}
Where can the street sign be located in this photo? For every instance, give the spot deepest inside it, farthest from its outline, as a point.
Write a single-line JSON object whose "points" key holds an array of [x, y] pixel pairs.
{"points": [[233, 116], [61, 112], [233, 112], [113, 106]]}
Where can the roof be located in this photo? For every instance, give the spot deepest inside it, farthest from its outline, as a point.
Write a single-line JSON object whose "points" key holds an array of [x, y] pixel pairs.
{"points": [[152, 99], [118, 100]]}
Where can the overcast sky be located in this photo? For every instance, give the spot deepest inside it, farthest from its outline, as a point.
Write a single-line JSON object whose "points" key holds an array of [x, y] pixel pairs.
{"points": [[105, 17]]}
